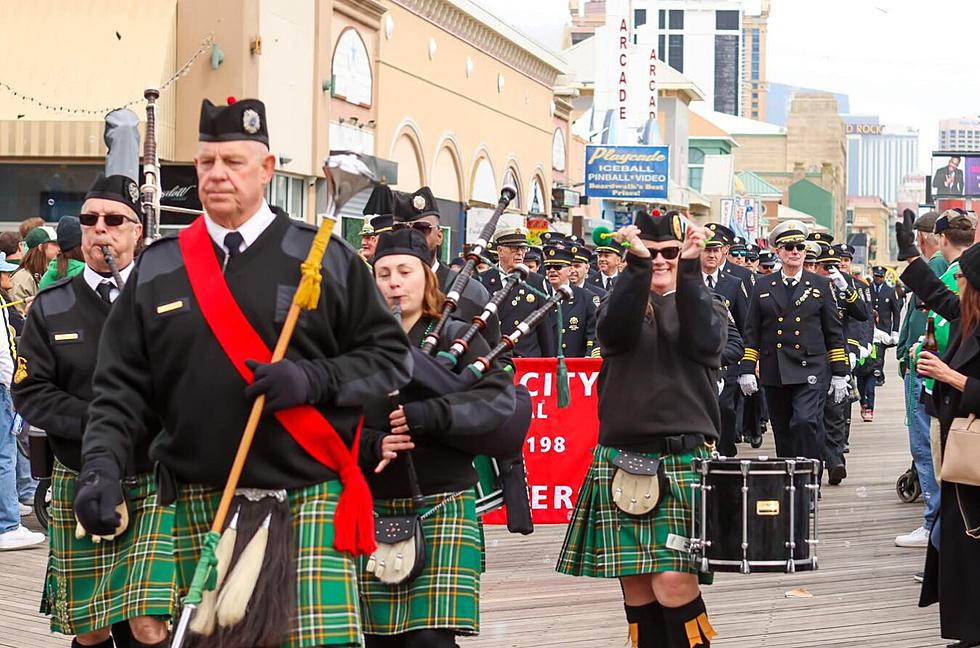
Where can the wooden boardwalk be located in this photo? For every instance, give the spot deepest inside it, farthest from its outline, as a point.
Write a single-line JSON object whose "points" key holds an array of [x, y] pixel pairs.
{"points": [[863, 593]]}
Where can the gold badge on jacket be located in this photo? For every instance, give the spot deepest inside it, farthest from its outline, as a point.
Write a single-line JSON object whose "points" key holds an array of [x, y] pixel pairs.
{"points": [[21, 374]]}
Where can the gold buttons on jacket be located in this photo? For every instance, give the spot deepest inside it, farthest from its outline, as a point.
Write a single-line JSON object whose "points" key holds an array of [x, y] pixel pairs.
{"points": [[779, 319], [779, 345], [779, 332], [798, 319], [797, 346], [797, 332]]}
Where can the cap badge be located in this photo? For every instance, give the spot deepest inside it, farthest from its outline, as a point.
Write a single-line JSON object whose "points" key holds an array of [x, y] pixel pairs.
{"points": [[134, 193], [251, 121], [418, 202]]}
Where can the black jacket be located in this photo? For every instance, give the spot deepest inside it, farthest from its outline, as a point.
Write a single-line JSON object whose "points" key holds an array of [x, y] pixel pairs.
{"points": [[538, 343], [471, 301], [578, 318], [887, 306]]}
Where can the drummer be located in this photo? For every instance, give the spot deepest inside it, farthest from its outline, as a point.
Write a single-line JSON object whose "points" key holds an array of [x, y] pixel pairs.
{"points": [[661, 320]]}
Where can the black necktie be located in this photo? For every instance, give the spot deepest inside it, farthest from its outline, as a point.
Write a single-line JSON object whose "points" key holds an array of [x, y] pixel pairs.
{"points": [[711, 281], [104, 290], [233, 241], [790, 285]]}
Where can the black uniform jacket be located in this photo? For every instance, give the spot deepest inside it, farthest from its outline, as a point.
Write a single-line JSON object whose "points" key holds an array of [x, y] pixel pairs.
{"points": [[538, 343], [888, 307], [471, 301], [57, 355], [163, 358], [446, 429], [598, 280], [578, 318], [793, 338], [736, 295], [854, 313]]}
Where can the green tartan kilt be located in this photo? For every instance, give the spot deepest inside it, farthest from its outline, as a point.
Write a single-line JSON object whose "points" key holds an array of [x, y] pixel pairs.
{"points": [[446, 594], [603, 542], [90, 586], [326, 585]]}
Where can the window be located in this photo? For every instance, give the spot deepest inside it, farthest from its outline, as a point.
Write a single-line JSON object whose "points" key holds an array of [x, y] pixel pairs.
{"points": [[663, 19], [578, 38], [288, 193], [639, 17], [695, 166], [726, 73], [677, 19], [662, 48], [676, 52], [726, 20], [351, 69], [558, 150]]}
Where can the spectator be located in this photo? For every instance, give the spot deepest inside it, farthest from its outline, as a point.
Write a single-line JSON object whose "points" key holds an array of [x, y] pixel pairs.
{"points": [[69, 261], [12, 245], [29, 224], [41, 248]]}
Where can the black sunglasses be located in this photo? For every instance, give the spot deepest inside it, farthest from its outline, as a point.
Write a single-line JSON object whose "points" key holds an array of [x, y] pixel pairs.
{"points": [[668, 253], [799, 247], [421, 226], [111, 220]]}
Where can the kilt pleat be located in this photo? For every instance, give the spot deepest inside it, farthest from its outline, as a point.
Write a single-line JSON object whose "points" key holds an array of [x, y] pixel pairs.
{"points": [[326, 581], [603, 542], [90, 586], [446, 594]]}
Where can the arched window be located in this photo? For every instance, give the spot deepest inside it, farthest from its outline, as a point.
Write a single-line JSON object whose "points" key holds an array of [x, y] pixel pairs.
{"points": [[537, 204], [484, 183], [351, 69], [558, 150], [407, 154], [512, 175]]}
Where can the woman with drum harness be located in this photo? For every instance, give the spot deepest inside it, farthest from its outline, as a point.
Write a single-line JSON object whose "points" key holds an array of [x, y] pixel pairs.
{"points": [[662, 335], [418, 458]]}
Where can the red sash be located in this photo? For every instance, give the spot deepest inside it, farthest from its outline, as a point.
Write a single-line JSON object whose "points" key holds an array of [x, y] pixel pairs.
{"points": [[354, 518]]}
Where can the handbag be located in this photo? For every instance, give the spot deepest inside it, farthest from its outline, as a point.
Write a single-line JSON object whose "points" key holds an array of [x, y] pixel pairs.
{"points": [[961, 459], [638, 484], [400, 556]]}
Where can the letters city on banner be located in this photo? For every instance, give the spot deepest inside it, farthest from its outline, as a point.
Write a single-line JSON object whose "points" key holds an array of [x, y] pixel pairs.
{"points": [[626, 172], [558, 448]]}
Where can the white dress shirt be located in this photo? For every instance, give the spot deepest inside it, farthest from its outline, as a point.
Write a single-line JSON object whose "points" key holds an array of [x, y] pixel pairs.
{"points": [[250, 229], [93, 279]]}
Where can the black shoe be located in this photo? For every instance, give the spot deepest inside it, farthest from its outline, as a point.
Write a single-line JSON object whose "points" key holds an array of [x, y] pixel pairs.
{"points": [[918, 577], [847, 449], [963, 644], [756, 442], [837, 475]]}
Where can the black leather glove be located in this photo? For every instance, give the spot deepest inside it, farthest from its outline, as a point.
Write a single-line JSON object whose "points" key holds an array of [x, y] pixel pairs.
{"points": [[98, 491], [905, 237], [284, 384]]}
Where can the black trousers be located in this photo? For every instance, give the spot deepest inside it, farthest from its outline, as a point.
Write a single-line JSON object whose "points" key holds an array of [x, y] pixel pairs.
{"points": [[835, 431], [728, 402], [751, 424], [796, 415]]}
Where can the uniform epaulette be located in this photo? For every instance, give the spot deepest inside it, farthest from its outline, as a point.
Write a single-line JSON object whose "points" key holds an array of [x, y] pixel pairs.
{"points": [[64, 281], [169, 238], [303, 225]]}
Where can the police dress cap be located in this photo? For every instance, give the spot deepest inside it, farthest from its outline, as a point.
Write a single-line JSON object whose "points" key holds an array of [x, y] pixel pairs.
{"points": [[576, 240], [612, 246], [407, 241], [955, 219], [752, 252], [878, 271], [656, 227], [558, 255], [510, 236], [926, 222], [534, 253], [720, 235], [118, 188], [240, 120], [767, 257], [828, 254], [845, 251], [970, 265], [39, 236], [553, 238], [69, 233], [812, 251], [580, 253], [790, 231], [367, 230], [413, 206], [382, 223], [823, 238], [739, 246]]}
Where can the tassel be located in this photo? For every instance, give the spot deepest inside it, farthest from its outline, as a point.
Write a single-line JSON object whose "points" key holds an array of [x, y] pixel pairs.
{"points": [[634, 635], [564, 395], [308, 293], [233, 600], [693, 633], [204, 619], [354, 519], [706, 629]]}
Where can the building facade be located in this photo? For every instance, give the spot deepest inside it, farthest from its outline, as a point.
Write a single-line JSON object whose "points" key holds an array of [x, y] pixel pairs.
{"points": [[755, 88], [959, 134], [879, 157]]}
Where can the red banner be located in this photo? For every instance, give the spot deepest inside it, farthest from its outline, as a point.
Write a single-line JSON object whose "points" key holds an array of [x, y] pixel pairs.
{"points": [[558, 448]]}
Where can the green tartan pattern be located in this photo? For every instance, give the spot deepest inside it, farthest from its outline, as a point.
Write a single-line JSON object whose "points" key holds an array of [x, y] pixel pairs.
{"points": [[326, 581], [446, 594], [603, 542], [90, 586]]}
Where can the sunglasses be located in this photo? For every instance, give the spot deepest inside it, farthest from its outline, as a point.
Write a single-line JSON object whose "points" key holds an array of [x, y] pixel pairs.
{"points": [[421, 226], [515, 248], [111, 220], [554, 266], [668, 253], [798, 247]]}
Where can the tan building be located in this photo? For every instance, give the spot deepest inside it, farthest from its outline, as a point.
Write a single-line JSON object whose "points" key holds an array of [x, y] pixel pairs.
{"points": [[754, 86], [872, 217], [440, 91]]}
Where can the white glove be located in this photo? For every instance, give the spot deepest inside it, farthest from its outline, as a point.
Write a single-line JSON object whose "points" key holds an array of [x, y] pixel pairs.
{"points": [[838, 279], [894, 339], [852, 360], [748, 384], [839, 386], [721, 385], [881, 337], [864, 352]]}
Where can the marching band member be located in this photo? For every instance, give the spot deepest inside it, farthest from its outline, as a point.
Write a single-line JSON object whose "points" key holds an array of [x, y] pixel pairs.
{"points": [[578, 314], [661, 320], [579, 273], [442, 433], [608, 258], [220, 291], [90, 587]]}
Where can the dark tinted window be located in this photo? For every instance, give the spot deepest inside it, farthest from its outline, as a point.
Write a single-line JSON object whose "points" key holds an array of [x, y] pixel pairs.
{"points": [[639, 17], [726, 19], [677, 18], [675, 55], [663, 19]]}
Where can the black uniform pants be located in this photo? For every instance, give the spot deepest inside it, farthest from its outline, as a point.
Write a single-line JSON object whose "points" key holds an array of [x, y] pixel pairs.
{"points": [[796, 415], [751, 425], [728, 403], [835, 430]]}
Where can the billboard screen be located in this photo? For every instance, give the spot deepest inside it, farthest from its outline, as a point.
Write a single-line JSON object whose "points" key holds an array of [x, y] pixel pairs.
{"points": [[954, 175]]}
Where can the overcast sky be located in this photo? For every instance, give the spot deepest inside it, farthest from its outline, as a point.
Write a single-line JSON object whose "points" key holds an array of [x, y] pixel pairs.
{"points": [[904, 60]]}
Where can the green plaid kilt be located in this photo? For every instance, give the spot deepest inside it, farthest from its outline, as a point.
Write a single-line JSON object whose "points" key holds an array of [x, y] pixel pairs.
{"points": [[446, 594], [603, 542], [90, 586], [326, 594]]}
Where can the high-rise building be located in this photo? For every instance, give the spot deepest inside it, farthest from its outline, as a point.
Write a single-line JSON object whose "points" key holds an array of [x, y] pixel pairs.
{"points": [[701, 38], [879, 158], [754, 86], [779, 98], [959, 134]]}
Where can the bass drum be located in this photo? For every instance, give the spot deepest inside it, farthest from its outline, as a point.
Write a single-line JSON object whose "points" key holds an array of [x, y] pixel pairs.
{"points": [[755, 515], [489, 491]]}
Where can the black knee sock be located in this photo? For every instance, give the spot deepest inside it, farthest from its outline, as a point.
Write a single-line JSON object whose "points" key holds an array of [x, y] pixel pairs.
{"points": [[384, 641], [434, 638], [122, 636], [105, 644], [647, 626], [687, 626]]}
